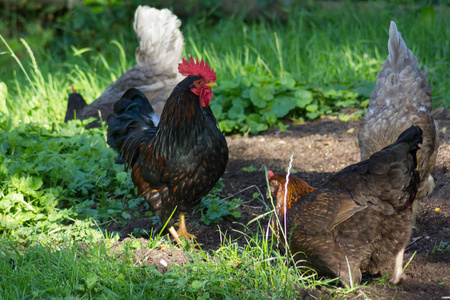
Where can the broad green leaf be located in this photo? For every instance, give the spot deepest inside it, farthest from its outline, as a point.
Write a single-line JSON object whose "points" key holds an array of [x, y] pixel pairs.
{"points": [[246, 94], [228, 84], [236, 214], [254, 118], [13, 197], [197, 284], [271, 118], [126, 215], [91, 280], [364, 88], [9, 224], [365, 103], [217, 109], [260, 96], [255, 124], [227, 125], [49, 199], [303, 98], [26, 216], [312, 108], [281, 106], [236, 112], [313, 115], [346, 103], [330, 93], [121, 176], [261, 127], [287, 82], [5, 203]]}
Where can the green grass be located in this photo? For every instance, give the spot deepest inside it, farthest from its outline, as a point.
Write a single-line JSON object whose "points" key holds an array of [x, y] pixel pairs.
{"points": [[96, 271], [316, 47], [60, 186]]}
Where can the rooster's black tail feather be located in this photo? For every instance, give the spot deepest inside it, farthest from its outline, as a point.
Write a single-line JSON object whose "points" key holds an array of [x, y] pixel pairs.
{"points": [[134, 122]]}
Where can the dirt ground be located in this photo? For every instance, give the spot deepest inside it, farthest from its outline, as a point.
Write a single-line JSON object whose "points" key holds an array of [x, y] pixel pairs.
{"points": [[320, 149]]}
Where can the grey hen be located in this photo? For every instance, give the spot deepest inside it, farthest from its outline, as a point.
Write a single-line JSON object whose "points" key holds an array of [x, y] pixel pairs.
{"points": [[402, 98], [156, 72]]}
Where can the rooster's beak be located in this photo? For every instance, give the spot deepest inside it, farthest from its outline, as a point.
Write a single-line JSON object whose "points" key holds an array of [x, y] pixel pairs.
{"points": [[210, 84]]}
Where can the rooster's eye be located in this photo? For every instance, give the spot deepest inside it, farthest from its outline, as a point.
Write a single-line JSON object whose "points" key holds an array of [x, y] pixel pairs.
{"points": [[198, 82]]}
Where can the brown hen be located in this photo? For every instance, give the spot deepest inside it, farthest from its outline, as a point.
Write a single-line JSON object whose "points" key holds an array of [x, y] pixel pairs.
{"points": [[360, 220]]}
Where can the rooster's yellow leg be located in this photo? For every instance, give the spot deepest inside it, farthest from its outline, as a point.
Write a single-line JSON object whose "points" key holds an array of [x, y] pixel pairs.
{"points": [[174, 234], [182, 228]]}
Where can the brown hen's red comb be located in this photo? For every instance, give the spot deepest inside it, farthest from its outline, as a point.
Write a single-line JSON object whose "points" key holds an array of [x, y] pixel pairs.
{"points": [[196, 68], [269, 174]]}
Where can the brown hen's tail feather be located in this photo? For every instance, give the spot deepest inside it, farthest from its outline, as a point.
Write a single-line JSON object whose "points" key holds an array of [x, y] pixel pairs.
{"points": [[134, 122], [392, 172], [413, 137]]}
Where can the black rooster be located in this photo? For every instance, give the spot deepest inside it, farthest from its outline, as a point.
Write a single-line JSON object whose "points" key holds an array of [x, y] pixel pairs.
{"points": [[178, 158]]}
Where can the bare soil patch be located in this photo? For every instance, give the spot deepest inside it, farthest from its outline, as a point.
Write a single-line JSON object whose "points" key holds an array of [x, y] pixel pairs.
{"points": [[320, 149]]}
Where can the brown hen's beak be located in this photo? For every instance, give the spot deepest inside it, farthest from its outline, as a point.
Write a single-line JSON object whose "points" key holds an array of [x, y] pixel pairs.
{"points": [[210, 84]]}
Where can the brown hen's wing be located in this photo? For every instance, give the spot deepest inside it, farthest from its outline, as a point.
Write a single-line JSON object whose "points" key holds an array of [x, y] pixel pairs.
{"points": [[323, 210], [387, 181], [402, 98]]}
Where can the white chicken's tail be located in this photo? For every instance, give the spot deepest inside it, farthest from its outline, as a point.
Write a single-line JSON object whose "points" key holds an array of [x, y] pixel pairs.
{"points": [[400, 81], [159, 36]]}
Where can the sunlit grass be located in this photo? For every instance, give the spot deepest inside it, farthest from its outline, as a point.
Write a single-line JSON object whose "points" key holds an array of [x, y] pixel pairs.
{"points": [[323, 47], [99, 268]]}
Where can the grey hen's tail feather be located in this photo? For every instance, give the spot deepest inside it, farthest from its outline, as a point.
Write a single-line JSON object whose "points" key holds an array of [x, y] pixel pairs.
{"points": [[160, 39], [133, 123], [399, 55], [400, 80]]}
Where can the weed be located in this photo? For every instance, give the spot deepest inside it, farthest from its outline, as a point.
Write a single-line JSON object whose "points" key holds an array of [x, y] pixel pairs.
{"points": [[442, 247], [214, 209]]}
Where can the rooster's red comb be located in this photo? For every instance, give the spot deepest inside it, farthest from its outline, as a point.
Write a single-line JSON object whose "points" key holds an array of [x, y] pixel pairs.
{"points": [[196, 68]]}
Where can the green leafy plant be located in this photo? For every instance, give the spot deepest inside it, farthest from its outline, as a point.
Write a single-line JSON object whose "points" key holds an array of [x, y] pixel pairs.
{"points": [[214, 209], [441, 247], [254, 103], [250, 168], [54, 173]]}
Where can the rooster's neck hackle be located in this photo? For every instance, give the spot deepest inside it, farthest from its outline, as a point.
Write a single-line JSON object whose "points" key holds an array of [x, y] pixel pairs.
{"points": [[183, 119]]}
